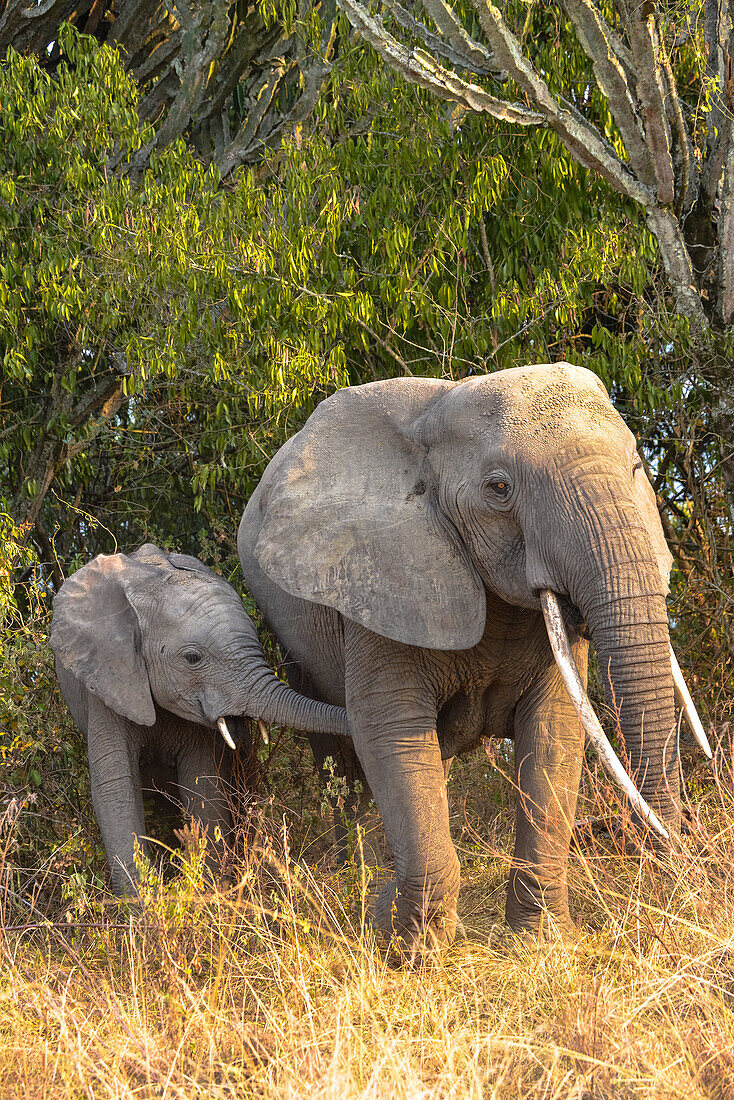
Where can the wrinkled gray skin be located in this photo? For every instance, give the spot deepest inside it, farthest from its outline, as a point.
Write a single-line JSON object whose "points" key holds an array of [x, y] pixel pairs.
{"points": [[151, 650], [397, 546]]}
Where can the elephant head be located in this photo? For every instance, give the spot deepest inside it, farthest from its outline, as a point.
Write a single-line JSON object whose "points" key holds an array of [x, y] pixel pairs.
{"points": [[155, 629], [411, 498]]}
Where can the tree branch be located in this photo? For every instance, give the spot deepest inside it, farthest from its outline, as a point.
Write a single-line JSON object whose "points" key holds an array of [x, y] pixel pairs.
{"points": [[583, 140], [239, 150], [717, 24], [646, 55], [726, 234], [24, 27], [201, 45], [98, 396], [594, 34], [418, 68], [451, 28], [461, 60], [687, 187], [52, 453], [677, 262]]}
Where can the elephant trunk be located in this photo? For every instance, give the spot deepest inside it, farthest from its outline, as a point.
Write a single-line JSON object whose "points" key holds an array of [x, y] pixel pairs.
{"points": [[263, 696], [274, 702], [627, 620], [563, 654]]}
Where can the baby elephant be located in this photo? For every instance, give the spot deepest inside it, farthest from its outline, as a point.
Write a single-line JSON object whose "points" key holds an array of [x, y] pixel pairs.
{"points": [[154, 651]]}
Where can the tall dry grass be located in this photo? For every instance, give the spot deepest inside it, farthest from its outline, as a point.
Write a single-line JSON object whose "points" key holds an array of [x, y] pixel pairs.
{"points": [[275, 988]]}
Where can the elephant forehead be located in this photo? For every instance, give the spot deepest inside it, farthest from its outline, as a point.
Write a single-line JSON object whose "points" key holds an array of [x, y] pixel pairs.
{"points": [[189, 593], [546, 402]]}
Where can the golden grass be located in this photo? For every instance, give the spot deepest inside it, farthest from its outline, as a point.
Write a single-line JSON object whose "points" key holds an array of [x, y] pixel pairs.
{"points": [[275, 988]]}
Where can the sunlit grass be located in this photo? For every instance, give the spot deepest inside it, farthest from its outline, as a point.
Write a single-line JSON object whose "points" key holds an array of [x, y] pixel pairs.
{"points": [[274, 987]]}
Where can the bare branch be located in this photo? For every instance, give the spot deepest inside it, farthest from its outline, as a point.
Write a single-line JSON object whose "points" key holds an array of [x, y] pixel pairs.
{"points": [[451, 28], [105, 387], [646, 54], [384, 344], [313, 77], [621, 52], [486, 254], [595, 36], [460, 60], [687, 187], [239, 150], [23, 26], [201, 45], [580, 137], [726, 235], [677, 262], [418, 68], [717, 31]]}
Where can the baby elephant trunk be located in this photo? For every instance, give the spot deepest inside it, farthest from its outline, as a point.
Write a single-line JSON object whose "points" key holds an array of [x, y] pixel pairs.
{"points": [[261, 695], [274, 702]]}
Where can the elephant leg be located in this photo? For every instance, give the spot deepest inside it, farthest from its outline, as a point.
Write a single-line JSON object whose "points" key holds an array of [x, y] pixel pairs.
{"points": [[393, 719], [549, 747], [203, 776], [113, 747]]}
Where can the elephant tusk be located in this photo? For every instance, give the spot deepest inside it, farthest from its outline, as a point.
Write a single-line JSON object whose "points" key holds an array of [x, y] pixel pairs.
{"points": [[592, 727], [222, 725], [683, 698], [263, 731]]}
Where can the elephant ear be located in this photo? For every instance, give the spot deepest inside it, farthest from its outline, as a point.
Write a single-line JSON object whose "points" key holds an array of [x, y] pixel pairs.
{"points": [[349, 519], [96, 635]]}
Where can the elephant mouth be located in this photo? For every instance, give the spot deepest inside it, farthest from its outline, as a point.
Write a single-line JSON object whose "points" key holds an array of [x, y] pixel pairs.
{"points": [[234, 729], [573, 618]]}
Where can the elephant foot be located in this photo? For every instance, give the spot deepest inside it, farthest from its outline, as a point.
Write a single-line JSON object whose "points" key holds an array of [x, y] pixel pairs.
{"points": [[538, 915], [543, 929], [409, 931]]}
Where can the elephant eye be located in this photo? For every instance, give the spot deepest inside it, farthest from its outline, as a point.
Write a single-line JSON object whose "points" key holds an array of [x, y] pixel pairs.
{"points": [[497, 487], [192, 656]]}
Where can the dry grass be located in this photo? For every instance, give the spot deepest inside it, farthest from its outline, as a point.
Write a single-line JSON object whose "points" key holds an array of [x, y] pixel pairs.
{"points": [[274, 987]]}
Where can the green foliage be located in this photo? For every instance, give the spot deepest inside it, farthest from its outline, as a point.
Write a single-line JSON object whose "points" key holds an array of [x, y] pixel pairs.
{"points": [[458, 246], [60, 206], [14, 555], [162, 337], [141, 323]]}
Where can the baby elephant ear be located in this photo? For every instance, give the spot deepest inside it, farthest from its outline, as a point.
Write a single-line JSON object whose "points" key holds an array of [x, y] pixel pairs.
{"points": [[96, 635], [349, 519]]}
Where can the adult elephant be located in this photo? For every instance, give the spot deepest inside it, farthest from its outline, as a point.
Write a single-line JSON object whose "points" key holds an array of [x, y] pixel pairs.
{"points": [[154, 652], [416, 548]]}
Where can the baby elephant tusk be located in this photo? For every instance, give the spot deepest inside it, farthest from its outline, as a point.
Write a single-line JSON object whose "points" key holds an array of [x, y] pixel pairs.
{"points": [[683, 698], [263, 731], [225, 733], [592, 727]]}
